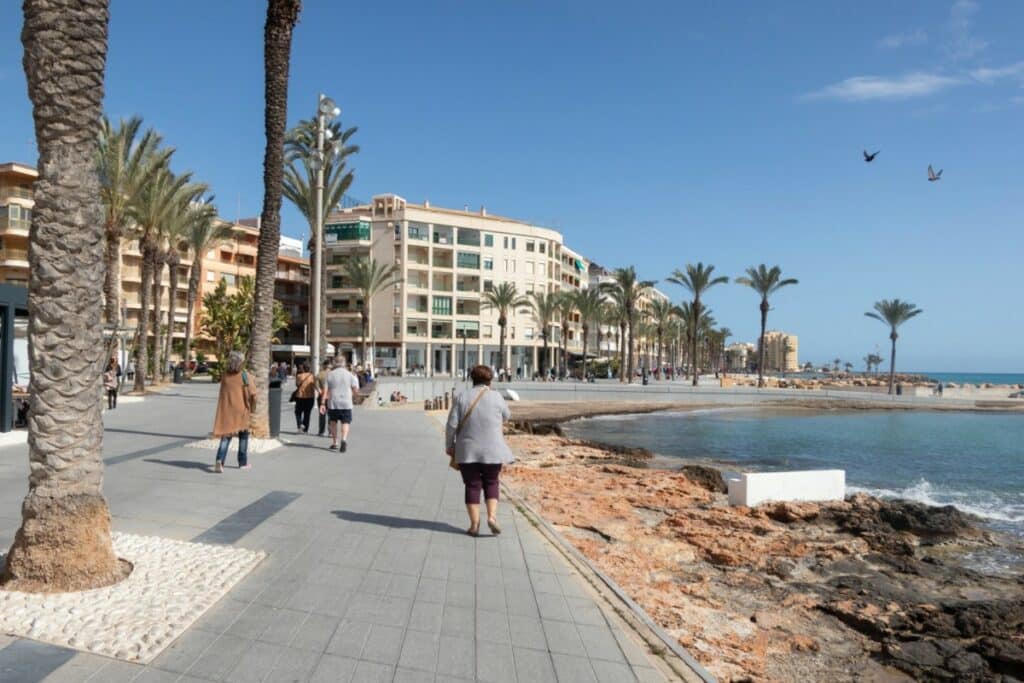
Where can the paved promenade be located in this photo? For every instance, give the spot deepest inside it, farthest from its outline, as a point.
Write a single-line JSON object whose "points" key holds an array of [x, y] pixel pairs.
{"points": [[369, 575]]}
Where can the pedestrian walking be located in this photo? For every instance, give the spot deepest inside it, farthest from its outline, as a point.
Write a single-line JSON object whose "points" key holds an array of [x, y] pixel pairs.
{"points": [[234, 405], [338, 387], [111, 380], [305, 395], [476, 445], [320, 378]]}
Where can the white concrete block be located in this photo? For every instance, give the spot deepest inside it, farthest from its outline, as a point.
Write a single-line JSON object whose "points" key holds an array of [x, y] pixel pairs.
{"points": [[754, 488]]}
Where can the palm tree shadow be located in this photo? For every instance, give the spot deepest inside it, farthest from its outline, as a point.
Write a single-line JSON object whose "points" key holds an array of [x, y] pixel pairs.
{"points": [[396, 522], [184, 464]]}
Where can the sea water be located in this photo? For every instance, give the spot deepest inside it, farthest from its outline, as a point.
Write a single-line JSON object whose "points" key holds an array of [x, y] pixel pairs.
{"points": [[974, 461]]}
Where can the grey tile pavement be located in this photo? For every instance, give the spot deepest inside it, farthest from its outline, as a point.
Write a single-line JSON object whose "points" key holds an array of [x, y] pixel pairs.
{"points": [[368, 576]]}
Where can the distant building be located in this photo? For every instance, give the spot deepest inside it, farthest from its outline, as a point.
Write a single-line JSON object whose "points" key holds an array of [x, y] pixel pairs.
{"points": [[740, 356], [781, 352]]}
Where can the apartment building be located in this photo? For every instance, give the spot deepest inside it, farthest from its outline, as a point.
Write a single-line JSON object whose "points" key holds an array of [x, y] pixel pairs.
{"points": [[781, 351], [230, 261], [740, 356], [434, 322], [291, 288], [15, 218], [607, 335]]}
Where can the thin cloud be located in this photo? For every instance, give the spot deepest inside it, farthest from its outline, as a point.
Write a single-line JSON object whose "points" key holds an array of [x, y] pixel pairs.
{"points": [[898, 40], [863, 88], [989, 75], [964, 43]]}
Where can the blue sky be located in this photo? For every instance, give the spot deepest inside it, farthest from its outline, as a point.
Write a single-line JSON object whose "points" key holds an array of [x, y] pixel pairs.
{"points": [[653, 134]]}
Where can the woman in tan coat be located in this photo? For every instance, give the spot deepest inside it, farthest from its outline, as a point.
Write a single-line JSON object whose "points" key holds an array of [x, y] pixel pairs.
{"points": [[305, 394], [237, 395]]}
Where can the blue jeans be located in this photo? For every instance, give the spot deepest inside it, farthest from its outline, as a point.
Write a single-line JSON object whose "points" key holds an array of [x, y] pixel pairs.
{"points": [[243, 448]]}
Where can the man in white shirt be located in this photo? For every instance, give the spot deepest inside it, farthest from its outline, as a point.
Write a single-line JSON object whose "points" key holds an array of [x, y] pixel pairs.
{"points": [[337, 402]]}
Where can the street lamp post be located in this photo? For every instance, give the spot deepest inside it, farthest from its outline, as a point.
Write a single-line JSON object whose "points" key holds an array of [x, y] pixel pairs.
{"points": [[465, 358], [325, 110]]}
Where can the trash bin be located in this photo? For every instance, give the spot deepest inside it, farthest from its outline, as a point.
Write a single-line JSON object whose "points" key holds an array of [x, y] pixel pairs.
{"points": [[179, 374], [274, 407]]}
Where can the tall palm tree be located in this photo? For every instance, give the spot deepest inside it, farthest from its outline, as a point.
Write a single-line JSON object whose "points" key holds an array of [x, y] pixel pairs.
{"points": [[204, 232], [626, 290], [662, 311], [687, 334], [125, 165], [64, 542], [300, 186], [156, 204], [503, 298], [698, 279], [545, 307], [277, 47], [370, 277], [566, 310], [893, 313], [589, 303], [765, 281]]}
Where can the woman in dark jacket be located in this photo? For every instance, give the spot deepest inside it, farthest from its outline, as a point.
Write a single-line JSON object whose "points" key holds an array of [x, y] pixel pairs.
{"points": [[305, 395]]}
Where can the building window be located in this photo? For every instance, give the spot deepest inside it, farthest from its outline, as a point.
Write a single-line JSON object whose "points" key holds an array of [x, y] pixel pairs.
{"points": [[488, 240], [442, 305], [467, 260], [343, 232], [542, 247], [530, 268], [512, 332], [228, 278], [488, 263], [488, 331], [505, 242], [468, 237], [418, 232], [527, 333], [529, 245], [488, 285], [210, 276]]}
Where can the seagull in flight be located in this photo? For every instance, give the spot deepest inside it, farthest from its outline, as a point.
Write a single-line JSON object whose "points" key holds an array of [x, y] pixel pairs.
{"points": [[932, 175], [870, 157]]}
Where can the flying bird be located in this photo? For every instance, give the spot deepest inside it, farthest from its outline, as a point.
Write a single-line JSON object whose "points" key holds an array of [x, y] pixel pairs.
{"points": [[932, 175], [870, 157]]}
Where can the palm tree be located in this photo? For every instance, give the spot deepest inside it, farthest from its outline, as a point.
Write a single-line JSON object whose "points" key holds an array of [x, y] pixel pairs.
{"points": [[697, 279], [545, 307], [687, 334], [277, 47], [765, 282], [566, 309], [504, 298], [64, 542], [835, 364], [125, 165], [626, 291], [157, 202], [893, 313], [589, 303], [300, 186], [370, 277], [849, 367], [204, 232], [662, 312]]}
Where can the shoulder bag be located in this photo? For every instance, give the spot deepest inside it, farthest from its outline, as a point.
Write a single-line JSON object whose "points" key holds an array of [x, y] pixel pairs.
{"points": [[451, 456]]}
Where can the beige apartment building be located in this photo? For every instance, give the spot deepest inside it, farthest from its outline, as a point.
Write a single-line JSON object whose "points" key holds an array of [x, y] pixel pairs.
{"points": [[781, 352], [447, 259], [15, 218]]}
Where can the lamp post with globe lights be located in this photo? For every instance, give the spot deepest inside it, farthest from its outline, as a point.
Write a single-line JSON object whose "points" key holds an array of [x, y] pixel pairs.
{"points": [[325, 112]]}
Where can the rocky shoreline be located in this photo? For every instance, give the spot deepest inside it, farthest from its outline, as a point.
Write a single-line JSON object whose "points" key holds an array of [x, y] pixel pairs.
{"points": [[863, 589]]}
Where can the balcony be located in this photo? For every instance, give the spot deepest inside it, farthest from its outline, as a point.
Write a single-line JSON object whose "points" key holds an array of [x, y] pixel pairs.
{"points": [[15, 191], [15, 226], [443, 236], [468, 237], [443, 283], [358, 231], [441, 331], [443, 259], [14, 256], [292, 275], [470, 285]]}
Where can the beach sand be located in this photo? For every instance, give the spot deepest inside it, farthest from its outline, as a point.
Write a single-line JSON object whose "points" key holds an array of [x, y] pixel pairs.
{"points": [[859, 590]]}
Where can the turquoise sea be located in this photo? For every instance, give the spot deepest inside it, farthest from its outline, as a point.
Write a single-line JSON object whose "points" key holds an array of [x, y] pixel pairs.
{"points": [[974, 461], [976, 377]]}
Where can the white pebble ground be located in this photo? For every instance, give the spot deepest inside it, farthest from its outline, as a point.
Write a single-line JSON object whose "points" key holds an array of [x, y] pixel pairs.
{"points": [[172, 584], [255, 445]]}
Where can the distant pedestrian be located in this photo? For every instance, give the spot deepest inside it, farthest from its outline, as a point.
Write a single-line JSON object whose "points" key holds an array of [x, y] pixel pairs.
{"points": [[338, 387], [111, 380], [305, 395], [474, 441], [234, 405], [320, 378]]}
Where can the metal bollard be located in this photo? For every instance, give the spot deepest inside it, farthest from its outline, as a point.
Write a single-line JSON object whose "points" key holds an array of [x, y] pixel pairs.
{"points": [[446, 400]]}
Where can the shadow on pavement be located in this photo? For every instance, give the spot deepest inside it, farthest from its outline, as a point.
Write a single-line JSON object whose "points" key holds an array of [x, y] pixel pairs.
{"points": [[184, 464], [169, 436], [396, 522]]}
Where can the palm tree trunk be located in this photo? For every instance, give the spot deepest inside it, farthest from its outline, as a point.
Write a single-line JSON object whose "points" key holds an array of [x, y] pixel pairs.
{"points": [[620, 340], [586, 331], [365, 327], [760, 352], [277, 45], [501, 345], [172, 267], [659, 354], [892, 363], [193, 292], [64, 542], [632, 367], [158, 277], [112, 276], [142, 349], [695, 359]]}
